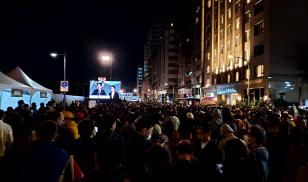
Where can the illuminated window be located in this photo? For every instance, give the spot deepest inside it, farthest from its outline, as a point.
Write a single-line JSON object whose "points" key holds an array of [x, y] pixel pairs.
{"points": [[208, 56], [230, 1], [237, 6], [221, 34], [247, 74], [229, 78], [229, 29], [259, 28], [209, 3], [208, 82], [247, 36], [229, 13], [221, 49], [237, 41], [237, 23], [247, 17], [248, 1], [259, 70], [222, 19], [229, 45], [247, 55], [237, 76], [208, 69]]}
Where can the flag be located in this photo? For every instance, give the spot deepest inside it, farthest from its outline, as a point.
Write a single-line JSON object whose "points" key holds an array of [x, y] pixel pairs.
{"points": [[71, 171]]}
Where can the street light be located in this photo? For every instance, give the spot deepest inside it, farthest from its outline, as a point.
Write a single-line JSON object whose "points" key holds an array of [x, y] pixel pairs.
{"points": [[55, 55], [105, 59], [248, 77]]}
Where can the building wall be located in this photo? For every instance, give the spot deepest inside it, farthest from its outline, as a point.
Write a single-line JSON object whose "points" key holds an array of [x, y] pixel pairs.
{"points": [[252, 37]]}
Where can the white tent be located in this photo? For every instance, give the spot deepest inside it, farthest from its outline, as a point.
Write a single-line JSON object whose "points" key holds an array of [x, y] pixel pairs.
{"points": [[36, 89], [20, 76], [6, 84]]}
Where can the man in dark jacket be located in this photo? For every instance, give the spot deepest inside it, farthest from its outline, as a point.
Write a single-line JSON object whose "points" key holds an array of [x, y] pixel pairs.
{"points": [[209, 155], [45, 162]]}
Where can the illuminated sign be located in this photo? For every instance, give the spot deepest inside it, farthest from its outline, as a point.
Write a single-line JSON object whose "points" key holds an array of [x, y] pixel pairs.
{"points": [[64, 86], [226, 91], [16, 93], [43, 94]]}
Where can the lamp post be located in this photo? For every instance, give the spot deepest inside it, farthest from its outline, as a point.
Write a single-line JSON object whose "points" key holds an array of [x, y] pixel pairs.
{"points": [[55, 55], [106, 58], [248, 77]]}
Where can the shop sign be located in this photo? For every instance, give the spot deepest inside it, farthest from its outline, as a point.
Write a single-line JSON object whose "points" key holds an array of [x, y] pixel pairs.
{"points": [[226, 91]]}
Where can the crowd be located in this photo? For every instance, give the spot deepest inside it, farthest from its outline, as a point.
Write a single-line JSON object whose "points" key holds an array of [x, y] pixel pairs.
{"points": [[143, 142]]}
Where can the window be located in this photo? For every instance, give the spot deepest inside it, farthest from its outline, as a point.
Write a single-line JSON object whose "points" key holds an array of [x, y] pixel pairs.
{"points": [[173, 58], [237, 23], [229, 13], [208, 82], [247, 16], [221, 49], [259, 28], [230, 1], [247, 55], [216, 24], [237, 6], [207, 43], [237, 76], [221, 34], [229, 78], [172, 65], [172, 79], [222, 19], [258, 50], [173, 72], [208, 29], [209, 3], [259, 7], [229, 29], [208, 17], [237, 41], [208, 69], [259, 71], [247, 74], [247, 36], [229, 45], [248, 1], [208, 56]]}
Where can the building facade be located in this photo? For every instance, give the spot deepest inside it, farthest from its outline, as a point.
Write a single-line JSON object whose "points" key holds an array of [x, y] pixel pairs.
{"points": [[247, 50], [139, 79]]}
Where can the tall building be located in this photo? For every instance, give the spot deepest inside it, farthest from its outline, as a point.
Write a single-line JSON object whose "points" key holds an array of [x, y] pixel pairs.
{"points": [[139, 79], [151, 45], [165, 68], [249, 49]]}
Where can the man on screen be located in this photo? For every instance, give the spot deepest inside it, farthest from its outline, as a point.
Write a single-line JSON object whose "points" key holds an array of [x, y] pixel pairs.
{"points": [[99, 89], [113, 94]]}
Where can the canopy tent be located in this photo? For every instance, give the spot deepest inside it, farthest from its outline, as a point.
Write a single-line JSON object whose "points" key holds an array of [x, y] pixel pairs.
{"points": [[37, 94], [20, 76], [9, 83], [6, 84]]}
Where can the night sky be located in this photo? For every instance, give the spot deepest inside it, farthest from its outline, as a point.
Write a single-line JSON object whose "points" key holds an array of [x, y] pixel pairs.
{"points": [[31, 29]]}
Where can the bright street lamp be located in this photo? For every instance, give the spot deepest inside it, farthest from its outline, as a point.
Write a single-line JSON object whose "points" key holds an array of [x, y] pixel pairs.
{"points": [[105, 59], [248, 76], [55, 55]]}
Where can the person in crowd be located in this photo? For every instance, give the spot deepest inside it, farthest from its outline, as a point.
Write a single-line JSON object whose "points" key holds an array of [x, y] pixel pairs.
{"points": [[6, 135], [136, 148], [260, 153], [45, 162], [84, 147], [186, 166], [209, 155]]}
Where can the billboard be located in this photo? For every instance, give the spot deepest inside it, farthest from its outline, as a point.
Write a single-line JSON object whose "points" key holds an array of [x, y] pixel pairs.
{"points": [[102, 89]]}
